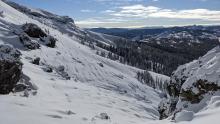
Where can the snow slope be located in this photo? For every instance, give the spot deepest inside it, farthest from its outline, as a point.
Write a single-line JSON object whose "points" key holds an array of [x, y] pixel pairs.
{"points": [[196, 88], [64, 24], [205, 68], [97, 85], [201, 78], [92, 89]]}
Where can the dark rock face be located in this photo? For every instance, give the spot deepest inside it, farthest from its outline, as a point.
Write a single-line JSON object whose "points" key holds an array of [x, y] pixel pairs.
{"points": [[49, 41], [48, 69], [203, 87], [52, 42], [168, 107], [33, 30], [27, 42], [10, 68], [10, 75], [19, 87], [36, 61], [101, 65], [104, 116]]}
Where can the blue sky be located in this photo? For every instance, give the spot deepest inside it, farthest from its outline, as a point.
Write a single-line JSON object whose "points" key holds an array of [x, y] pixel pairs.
{"points": [[132, 13]]}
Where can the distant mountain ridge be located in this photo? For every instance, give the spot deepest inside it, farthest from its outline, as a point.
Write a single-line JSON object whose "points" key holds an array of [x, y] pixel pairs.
{"points": [[179, 44]]}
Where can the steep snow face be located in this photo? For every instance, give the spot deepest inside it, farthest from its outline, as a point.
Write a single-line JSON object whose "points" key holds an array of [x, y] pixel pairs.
{"points": [[98, 87], [199, 80], [196, 86]]}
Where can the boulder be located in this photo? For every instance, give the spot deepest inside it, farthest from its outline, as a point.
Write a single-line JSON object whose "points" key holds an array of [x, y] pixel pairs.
{"points": [[36, 61], [49, 41], [104, 116], [19, 87], [27, 42], [33, 30], [48, 69], [101, 65], [10, 68], [61, 71]]}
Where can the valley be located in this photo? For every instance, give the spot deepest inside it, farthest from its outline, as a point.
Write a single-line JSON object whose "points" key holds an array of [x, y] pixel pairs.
{"points": [[52, 72]]}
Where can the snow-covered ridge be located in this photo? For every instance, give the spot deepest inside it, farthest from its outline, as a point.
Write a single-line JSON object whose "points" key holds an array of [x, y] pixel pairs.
{"points": [[187, 35], [64, 24]]}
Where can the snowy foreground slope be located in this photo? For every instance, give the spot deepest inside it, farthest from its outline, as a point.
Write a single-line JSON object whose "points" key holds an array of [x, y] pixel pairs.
{"points": [[99, 90]]}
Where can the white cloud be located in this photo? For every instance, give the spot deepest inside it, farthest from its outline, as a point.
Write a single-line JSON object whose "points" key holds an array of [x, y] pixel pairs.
{"points": [[103, 22], [141, 11], [87, 10], [100, 21], [108, 11], [118, 2]]}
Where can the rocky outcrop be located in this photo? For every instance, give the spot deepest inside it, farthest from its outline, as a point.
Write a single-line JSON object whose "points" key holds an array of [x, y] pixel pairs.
{"points": [[193, 84], [49, 41], [31, 36], [36, 61], [33, 30], [10, 68], [61, 71], [28, 42], [202, 86]]}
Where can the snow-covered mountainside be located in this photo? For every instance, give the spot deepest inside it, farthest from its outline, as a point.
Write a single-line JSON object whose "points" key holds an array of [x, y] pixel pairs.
{"points": [[199, 81], [186, 37], [179, 44], [65, 81], [195, 89], [64, 24]]}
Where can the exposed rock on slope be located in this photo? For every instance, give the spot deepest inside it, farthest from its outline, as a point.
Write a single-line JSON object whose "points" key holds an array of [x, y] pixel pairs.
{"points": [[10, 68], [33, 30], [203, 81], [31, 36], [64, 24], [27, 42], [193, 84]]}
